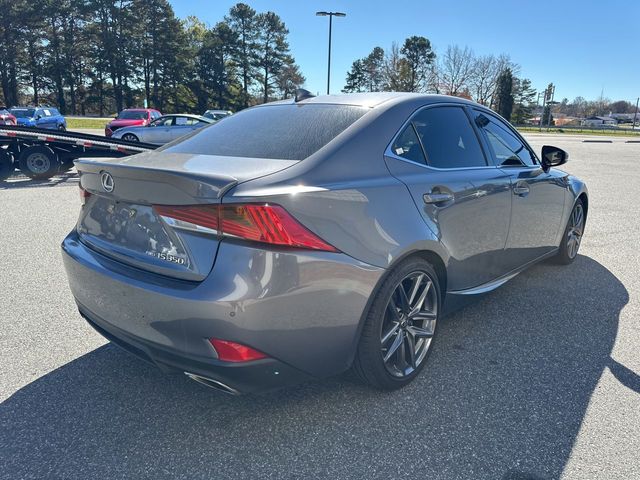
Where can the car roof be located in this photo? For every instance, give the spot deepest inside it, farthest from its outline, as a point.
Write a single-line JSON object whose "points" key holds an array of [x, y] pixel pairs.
{"points": [[375, 99], [188, 115]]}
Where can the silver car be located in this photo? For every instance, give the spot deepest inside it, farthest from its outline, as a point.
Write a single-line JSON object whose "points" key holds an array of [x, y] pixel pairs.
{"points": [[164, 129], [216, 114], [302, 238]]}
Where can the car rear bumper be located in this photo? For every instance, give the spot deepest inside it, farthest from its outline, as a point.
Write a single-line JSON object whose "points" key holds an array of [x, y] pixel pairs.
{"points": [[235, 378], [302, 309]]}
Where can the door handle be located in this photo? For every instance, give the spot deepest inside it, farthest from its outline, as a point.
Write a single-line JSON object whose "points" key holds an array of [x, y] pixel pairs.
{"points": [[521, 189], [437, 197]]}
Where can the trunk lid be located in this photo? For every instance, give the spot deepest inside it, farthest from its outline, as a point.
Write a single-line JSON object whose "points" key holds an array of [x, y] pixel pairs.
{"points": [[119, 221]]}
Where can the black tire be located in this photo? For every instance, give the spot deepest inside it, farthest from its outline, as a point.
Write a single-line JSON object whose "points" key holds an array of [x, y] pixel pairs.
{"points": [[7, 166], [39, 162], [66, 166], [130, 137], [567, 254], [369, 364]]}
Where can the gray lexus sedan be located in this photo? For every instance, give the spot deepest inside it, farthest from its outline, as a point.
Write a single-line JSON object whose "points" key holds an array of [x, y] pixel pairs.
{"points": [[302, 238], [164, 129]]}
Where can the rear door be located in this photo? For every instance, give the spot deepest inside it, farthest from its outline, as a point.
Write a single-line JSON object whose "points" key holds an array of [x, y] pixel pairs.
{"points": [[537, 196], [181, 127], [465, 200]]}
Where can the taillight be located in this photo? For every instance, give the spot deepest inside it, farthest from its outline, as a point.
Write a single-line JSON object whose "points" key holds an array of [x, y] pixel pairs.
{"points": [[83, 196], [235, 352], [264, 223]]}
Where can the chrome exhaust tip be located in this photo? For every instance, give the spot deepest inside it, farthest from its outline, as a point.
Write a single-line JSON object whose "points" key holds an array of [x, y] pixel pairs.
{"points": [[211, 383]]}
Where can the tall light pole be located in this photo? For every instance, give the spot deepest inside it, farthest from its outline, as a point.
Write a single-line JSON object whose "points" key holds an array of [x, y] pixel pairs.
{"points": [[635, 115], [330, 15]]}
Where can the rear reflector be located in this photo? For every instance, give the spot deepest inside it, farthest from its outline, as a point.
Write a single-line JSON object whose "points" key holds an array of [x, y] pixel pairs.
{"points": [[83, 196], [235, 352], [264, 223]]}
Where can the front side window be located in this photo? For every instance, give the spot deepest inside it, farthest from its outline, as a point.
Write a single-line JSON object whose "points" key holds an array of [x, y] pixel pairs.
{"points": [[186, 121], [163, 122], [448, 138], [508, 149]]}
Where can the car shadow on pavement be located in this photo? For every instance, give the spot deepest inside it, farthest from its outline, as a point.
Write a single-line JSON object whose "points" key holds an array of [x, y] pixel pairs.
{"points": [[503, 396]]}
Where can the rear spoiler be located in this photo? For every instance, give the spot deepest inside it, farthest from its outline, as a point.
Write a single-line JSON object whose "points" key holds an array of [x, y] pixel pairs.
{"points": [[150, 185]]}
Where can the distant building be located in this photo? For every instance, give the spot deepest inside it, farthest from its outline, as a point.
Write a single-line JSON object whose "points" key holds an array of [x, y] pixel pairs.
{"points": [[596, 121], [624, 117]]}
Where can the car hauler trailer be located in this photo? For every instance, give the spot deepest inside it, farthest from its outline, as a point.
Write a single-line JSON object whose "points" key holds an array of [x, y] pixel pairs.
{"points": [[41, 154]]}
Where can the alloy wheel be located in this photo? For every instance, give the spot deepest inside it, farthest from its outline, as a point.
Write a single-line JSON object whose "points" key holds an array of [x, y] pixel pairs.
{"points": [[409, 324], [576, 228]]}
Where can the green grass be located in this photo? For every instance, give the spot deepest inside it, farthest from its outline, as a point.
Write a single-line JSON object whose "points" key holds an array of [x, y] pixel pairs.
{"points": [[584, 131], [74, 123]]}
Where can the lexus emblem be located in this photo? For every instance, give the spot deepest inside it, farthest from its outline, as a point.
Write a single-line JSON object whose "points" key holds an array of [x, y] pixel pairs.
{"points": [[107, 182]]}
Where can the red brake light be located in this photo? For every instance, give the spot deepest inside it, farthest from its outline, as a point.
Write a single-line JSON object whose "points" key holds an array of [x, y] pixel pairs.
{"points": [[262, 223], [235, 352]]}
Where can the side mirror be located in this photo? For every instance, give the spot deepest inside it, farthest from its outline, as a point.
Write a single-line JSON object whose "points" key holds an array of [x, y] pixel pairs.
{"points": [[38, 117], [553, 157]]}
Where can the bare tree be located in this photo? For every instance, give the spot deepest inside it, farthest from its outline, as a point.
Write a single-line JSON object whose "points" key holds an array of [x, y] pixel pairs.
{"points": [[395, 70], [456, 70], [483, 82]]}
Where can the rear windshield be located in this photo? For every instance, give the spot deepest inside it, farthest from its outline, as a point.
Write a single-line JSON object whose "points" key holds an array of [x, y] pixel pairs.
{"points": [[129, 115], [289, 132], [23, 112]]}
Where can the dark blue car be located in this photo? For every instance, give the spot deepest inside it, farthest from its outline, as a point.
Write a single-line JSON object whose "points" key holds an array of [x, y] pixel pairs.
{"points": [[40, 117]]}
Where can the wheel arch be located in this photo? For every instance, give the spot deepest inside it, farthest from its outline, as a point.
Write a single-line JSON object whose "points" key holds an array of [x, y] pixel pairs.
{"points": [[428, 255], [585, 201]]}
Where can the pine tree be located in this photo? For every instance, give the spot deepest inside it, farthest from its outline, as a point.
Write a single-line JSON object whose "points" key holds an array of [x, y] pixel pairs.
{"points": [[504, 103], [524, 96]]}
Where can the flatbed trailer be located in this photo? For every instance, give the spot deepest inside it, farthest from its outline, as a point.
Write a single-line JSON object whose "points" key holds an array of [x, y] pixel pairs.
{"points": [[41, 154]]}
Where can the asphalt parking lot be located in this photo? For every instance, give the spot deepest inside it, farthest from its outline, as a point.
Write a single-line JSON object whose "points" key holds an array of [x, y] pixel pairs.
{"points": [[538, 380]]}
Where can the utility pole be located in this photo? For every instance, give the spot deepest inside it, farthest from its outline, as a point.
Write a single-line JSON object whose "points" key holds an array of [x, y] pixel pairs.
{"points": [[330, 15], [635, 115], [544, 102], [553, 92]]}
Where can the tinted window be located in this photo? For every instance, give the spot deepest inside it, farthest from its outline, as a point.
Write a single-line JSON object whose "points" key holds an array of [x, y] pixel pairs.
{"points": [[290, 132], [23, 112], [448, 138], [507, 148], [132, 115], [163, 122], [186, 121], [408, 146]]}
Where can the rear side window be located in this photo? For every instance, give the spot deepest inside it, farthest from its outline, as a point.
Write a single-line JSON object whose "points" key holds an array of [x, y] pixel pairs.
{"points": [[448, 138], [289, 132], [408, 146]]}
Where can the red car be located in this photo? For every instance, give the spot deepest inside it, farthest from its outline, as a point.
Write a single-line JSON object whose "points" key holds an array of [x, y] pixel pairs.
{"points": [[131, 117], [6, 118]]}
